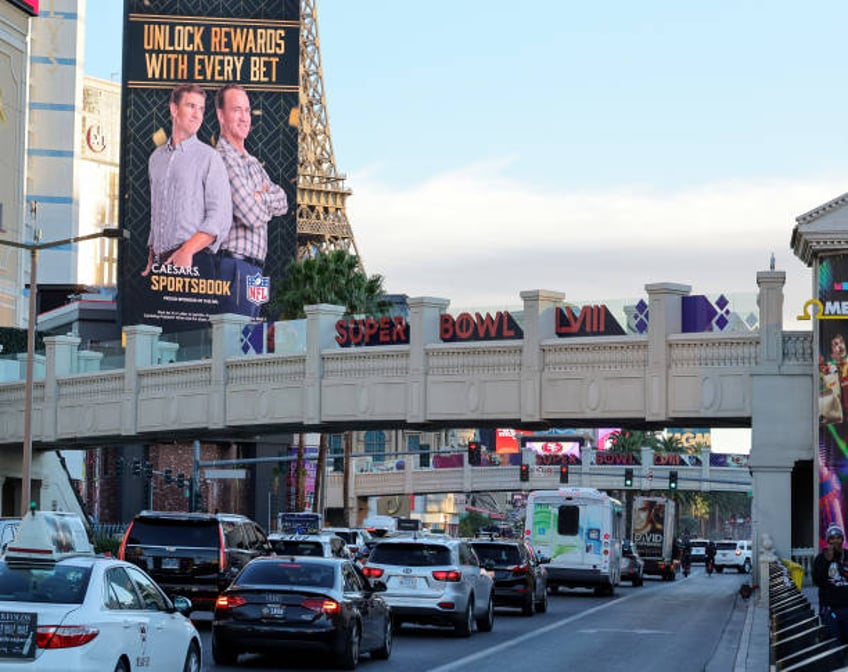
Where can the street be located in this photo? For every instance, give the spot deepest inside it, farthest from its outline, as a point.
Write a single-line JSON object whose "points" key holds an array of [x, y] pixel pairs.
{"points": [[661, 625]]}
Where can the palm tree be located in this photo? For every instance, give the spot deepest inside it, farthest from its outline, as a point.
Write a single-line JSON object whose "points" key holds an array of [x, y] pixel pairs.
{"points": [[669, 443], [627, 441], [333, 277]]}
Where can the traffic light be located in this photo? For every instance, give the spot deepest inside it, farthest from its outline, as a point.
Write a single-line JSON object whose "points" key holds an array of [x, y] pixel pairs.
{"points": [[672, 480], [524, 473], [628, 478], [563, 473], [136, 467], [148, 470], [474, 457], [119, 467], [181, 480], [169, 476]]}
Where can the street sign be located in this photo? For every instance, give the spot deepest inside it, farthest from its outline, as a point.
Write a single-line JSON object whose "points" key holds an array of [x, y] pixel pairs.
{"points": [[225, 473]]}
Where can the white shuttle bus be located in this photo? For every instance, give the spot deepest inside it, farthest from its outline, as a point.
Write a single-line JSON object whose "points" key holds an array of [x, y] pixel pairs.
{"points": [[579, 530]]}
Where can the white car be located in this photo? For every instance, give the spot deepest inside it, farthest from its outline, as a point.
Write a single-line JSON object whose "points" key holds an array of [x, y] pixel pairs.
{"points": [[315, 545], [733, 554], [65, 609]]}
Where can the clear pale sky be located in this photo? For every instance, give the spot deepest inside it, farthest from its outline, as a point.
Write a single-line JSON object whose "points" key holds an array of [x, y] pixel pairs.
{"points": [[589, 148]]}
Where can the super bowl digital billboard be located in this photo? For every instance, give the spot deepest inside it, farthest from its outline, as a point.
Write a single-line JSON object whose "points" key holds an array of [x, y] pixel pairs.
{"points": [[176, 176]]}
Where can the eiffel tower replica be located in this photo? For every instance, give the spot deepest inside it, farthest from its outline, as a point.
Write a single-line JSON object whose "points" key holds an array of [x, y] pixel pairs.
{"points": [[322, 223]]}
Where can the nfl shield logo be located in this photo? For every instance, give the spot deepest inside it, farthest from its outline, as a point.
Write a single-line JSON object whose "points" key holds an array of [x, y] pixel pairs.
{"points": [[258, 288]]}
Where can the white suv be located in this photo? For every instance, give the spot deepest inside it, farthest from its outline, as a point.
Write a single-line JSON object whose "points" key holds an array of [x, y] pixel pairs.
{"points": [[735, 554], [433, 580]]}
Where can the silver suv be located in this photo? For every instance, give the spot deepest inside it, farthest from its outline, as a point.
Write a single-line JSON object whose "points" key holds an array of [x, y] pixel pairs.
{"points": [[733, 554], [433, 580]]}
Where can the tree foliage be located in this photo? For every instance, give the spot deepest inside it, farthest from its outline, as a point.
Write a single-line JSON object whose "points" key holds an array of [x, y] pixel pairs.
{"points": [[333, 277], [15, 340], [627, 441]]}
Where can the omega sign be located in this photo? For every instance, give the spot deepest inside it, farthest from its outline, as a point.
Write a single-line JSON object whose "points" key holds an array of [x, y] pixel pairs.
{"points": [[465, 327]]}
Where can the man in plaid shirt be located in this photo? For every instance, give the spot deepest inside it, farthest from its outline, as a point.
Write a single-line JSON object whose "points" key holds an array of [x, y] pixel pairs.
{"points": [[256, 199]]}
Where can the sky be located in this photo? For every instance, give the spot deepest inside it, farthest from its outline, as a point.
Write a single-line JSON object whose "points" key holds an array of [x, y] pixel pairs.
{"points": [[588, 148]]}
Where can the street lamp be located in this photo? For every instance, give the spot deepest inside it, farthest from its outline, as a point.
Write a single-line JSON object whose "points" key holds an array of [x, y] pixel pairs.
{"points": [[34, 248]]}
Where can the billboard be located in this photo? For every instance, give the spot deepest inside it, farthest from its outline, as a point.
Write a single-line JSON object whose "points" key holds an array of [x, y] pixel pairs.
{"points": [[254, 43], [831, 335]]}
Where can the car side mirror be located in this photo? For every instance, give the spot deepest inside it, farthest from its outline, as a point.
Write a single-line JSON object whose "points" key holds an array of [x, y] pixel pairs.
{"points": [[544, 561], [183, 605]]}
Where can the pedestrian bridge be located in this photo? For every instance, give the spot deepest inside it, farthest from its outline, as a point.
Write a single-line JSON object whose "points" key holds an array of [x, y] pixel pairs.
{"points": [[535, 379]]}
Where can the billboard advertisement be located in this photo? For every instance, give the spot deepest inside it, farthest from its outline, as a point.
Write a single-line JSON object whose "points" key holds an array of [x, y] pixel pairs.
{"points": [[831, 335], [176, 201]]}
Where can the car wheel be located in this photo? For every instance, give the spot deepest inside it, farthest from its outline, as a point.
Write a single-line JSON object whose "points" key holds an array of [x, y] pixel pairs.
{"points": [[465, 624], [122, 666], [385, 650], [638, 581], [223, 655], [719, 568], [485, 624], [192, 661], [542, 605], [747, 566], [350, 656]]}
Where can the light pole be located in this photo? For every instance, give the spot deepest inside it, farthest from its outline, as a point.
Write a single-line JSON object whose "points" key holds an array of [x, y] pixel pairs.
{"points": [[34, 248]]}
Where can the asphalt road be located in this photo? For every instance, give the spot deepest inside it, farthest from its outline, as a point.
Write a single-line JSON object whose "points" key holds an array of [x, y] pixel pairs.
{"points": [[661, 625]]}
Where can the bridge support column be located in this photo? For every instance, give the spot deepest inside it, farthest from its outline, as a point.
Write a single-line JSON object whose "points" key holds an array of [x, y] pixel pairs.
{"points": [[424, 315], [226, 336], [539, 324], [320, 335], [666, 306], [60, 355], [142, 349], [782, 426]]}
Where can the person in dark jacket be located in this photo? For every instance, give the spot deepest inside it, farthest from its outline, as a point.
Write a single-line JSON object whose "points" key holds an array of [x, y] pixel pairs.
{"points": [[830, 574]]}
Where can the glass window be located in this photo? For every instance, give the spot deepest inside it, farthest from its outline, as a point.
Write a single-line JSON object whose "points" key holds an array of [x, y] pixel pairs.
{"points": [[297, 547], [411, 555], [337, 451], [233, 535], [120, 591], [152, 598], [500, 554], [61, 584], [352, 583], [375, 445], [282, 573], [182, 533], [568, 521]]}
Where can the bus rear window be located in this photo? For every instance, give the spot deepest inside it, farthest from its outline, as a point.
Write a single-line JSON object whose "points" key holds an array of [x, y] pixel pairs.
{"points": [[568, 521]]}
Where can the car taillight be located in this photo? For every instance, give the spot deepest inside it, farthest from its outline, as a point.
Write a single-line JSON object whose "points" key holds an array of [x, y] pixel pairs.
{"points": [[738, 552], [518, 570], [372, 572], [229, 602], [64, 636], [222, 551], [321, 606], [123, 547], [447, 575]]}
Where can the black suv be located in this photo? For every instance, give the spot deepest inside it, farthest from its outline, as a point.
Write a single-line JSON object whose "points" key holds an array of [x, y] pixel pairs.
{"points": [[193, 554], [520, 578]]}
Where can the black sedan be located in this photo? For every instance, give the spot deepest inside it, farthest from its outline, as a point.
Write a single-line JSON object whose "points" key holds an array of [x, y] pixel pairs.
{"points": [[520, 578], [282, 603], [632, 566]]}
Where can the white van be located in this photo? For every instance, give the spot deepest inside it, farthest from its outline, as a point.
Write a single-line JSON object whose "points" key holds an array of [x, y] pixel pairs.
{"points": [[578, 532]]}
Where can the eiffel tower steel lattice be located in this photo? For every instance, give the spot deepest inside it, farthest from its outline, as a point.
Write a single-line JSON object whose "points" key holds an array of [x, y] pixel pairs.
{"points": [[322, 223]]}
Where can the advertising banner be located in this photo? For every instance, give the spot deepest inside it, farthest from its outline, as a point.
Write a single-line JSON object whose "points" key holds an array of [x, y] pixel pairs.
{"points": [[831, 330], [253, 43]]}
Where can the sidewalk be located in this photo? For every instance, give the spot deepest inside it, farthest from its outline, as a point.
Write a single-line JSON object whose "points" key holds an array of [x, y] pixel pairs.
{"points": [[744, 644]]}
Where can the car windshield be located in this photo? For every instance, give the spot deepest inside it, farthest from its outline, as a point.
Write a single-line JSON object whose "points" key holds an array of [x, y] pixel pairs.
{"points": [[59, 584], [166, 532], [410, 555], [288, 574], [295, 547], [500, 554]]}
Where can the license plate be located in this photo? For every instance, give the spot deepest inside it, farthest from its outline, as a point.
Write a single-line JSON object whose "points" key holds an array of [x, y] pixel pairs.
{"points": [[170, 563], [408, 582], [275, 611]]}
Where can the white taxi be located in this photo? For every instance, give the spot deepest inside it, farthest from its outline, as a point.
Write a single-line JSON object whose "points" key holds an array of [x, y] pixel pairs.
{"points": [[65, 609]]}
